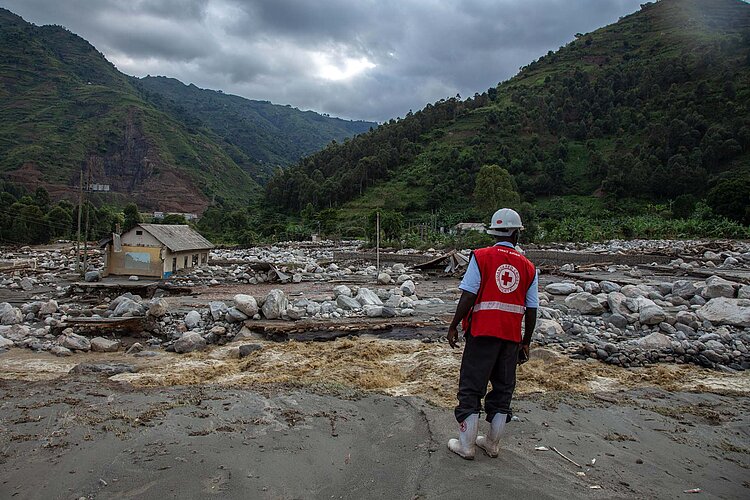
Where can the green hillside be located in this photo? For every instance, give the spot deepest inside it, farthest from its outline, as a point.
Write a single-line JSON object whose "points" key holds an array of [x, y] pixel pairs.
{"points": [[649, 114], [268, 135]]}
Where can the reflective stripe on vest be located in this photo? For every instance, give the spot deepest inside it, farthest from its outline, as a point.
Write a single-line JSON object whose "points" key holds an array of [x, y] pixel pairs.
{"points": [[499, 306]]}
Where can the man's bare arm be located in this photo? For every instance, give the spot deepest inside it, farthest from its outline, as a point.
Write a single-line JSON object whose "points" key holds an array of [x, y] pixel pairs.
{"points": [[465, 303]]}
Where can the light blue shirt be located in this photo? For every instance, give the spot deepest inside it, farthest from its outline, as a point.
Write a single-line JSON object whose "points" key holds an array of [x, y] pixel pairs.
{"points": [[472, 280]]}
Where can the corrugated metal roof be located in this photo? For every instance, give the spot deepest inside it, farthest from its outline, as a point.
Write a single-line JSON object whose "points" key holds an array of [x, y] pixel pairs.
{"points": [[177, 238]]}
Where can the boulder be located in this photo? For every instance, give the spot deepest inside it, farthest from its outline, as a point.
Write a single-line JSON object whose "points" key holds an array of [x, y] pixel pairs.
{"points": [[157, 308], [48, 308], [4, 343], [192, 319], [384, 278], [654, 340], [618, 320], [128, 307], [564, 288], [549, 327], [297, 278], [408, 288], [633, 291], [347, 303], [189, 342], [100, 344], [295, 313], [402, 279], [10, 315], [649, 313], [92, 276], [133, 278], [744, 292], [726, 311], [339, 290], [718, 287], [275, 304], [608, 286], [234, 315], [584, 302], [74, 342], [60, 351], [218, 309], [683, 288], [373, 311], [365, 297], [247, 304]]}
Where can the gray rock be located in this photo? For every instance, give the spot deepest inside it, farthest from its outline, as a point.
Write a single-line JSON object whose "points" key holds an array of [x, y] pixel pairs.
{"points": [[549, 327], [388, 312], [5, 342], [651, 314], [100, 344], [247, 304], [297, 278], [683, 288], [618, 320], [584, 302], [726, 311], [620, 304], [189, 342], [128, 307], [192, 319], [234, 315], [608, 286], [384, 278], [339, 290], [157, 308], [373, 311], [275, 304], [365, 297], [133, 278], [655, 340], [718, 287], [10, 315], [564, 288], [403, 278], [60, 351], [48, 308], [347, 303], [248, 349], [92, 276], [744, 292], [218, 309], [295, 313], [408, 288], [74, 342], [26, 284]]}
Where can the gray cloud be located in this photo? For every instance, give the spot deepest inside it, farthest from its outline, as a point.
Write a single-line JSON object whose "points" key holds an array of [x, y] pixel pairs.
{"points": [[365, 59]]}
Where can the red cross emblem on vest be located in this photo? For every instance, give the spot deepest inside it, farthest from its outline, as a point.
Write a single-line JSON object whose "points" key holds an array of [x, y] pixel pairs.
{"points": [[507, 278]]}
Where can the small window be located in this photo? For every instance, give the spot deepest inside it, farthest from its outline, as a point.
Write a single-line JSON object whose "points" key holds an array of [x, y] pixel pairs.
{"points": [[138, 232]]}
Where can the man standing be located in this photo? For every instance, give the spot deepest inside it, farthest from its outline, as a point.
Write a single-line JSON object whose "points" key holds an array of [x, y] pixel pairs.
{"points": [[499, 289]]}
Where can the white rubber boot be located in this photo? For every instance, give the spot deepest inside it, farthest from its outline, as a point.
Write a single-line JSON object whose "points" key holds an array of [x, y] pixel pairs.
{"points": [[491, 443], [464, 446]]}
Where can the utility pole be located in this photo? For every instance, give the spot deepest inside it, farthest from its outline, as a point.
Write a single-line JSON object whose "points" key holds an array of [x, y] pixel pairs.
{"points": [[377, 239], [78, 239], [86, 233]]}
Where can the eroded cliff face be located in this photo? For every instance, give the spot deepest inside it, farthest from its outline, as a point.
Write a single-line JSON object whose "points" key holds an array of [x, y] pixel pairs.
{"points": [[134, 170]]}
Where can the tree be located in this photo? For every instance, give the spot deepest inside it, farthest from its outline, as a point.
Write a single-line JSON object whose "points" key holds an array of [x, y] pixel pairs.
{"points": [[494, 188], [132, 216], [174, 219]]}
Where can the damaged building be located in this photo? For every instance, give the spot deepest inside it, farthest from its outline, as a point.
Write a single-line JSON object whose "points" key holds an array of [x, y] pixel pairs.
{"points": [[154, 250]]}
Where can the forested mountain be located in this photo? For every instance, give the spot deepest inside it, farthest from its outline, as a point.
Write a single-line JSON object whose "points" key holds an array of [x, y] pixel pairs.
{"points": [[655, 107], [64, 108], [269, 135]]}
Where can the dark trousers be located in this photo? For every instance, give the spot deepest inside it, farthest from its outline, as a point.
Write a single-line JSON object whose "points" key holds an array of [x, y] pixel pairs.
{"points": [[487, 359]]}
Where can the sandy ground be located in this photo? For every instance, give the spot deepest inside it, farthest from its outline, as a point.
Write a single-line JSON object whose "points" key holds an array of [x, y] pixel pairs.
{"points": [[361, 418]]}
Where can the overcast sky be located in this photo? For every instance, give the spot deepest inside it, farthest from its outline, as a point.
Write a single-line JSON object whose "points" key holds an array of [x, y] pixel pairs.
{"points": [[359, 59]]}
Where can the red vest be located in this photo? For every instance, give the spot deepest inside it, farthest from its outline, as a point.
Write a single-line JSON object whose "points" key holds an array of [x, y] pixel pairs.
{"points": [[500, 304]]}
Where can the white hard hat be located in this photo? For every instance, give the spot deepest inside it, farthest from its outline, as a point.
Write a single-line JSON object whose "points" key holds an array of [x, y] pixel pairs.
{"points": [[504, 222]]}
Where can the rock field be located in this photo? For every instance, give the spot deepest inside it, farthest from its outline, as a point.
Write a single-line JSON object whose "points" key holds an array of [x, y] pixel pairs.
{"points": [[694, 310]]}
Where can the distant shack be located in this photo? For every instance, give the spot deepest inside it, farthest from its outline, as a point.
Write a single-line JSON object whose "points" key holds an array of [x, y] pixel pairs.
{"points": [[154, 250], [463, 227]]}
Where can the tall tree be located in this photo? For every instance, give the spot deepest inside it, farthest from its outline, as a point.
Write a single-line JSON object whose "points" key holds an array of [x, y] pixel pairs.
{"points": [[494, 188]]}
